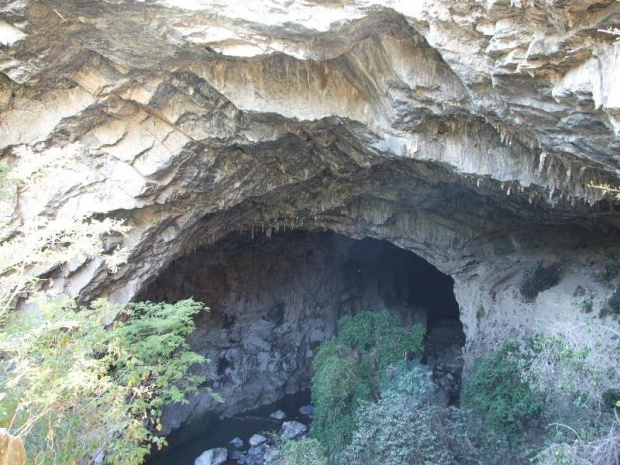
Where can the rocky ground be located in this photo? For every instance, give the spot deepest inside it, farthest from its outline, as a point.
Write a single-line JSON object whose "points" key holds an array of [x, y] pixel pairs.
{"points": [[260, 449]]}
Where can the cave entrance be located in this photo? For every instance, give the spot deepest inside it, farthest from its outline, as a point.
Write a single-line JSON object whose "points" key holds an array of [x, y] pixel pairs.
{"points": [[274, 300]]}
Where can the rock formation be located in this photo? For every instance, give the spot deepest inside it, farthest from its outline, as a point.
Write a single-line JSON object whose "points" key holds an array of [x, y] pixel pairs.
{"points": [[12, 450], [466, 132]]}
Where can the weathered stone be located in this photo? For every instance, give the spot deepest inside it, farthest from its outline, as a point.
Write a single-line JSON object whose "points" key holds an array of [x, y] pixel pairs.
{"points": [[293, 429], [236, 442], [278, 415], [216, 456], [307, 410], [255, 460], [256, 451], [238, 457], [271, 454], [12, 451], [257, 440]]}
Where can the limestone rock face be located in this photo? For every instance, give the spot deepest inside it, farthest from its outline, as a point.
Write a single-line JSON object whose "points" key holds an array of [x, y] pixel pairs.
{"points": [[465, 131]]}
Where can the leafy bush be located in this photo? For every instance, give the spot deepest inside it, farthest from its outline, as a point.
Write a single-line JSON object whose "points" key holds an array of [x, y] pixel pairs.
{"points": [[75, 389], [402, 427], [349, 368], [559, 379], [568, 369], [613, 306], [4, 180], [539, 279], [304, 451], [410, 379], [497, 395]]}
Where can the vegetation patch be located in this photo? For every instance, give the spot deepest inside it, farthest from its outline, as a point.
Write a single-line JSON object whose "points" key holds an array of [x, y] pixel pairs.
{"points": [[584, 299], [76, 390], [404, 427], [545, 399], [348, 371], [539, 279], [580, 291], [609, 273], [304, 451], [497, 395], [612, 306]]}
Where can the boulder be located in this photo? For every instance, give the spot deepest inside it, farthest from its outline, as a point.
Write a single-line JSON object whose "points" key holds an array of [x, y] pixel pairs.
{"points": [[237, 442], [293, 429], [307, 410], [271, 454], [239, 457], [216, 456], [257, 440], [278, 415]]}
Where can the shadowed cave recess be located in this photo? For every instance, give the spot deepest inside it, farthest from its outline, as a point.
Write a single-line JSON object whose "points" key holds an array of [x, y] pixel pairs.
{"points": [[274, 300]]}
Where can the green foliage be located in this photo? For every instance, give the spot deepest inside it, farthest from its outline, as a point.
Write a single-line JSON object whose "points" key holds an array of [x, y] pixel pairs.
{"points": [[349, 368], [612, 308], [548, 399], [409, 379], [584, 299], [73, 388], [4, 180], [611, 398], [580, 291], [402, 427], [497, 396], [614, 302], [539, 279], [304, 451], [568, 369], [380, 338]]}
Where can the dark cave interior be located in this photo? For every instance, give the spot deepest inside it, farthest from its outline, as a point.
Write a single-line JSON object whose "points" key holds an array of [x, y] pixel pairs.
{"points": [[274, 300]]}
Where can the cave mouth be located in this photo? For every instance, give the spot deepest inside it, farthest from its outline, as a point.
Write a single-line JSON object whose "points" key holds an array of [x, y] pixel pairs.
{"points": [[274, 300]]}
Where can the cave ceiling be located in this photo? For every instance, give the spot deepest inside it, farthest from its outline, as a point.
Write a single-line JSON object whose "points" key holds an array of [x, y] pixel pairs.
{"points": [[439, 126]]}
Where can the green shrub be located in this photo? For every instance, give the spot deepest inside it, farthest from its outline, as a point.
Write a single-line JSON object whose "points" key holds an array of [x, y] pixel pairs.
{"points": [[304, 451], [496, 394], [580, 291], [349, 368], [547, 399], [4, 180], [402, 427], [539, 279], [613, 306], [409, 379], [73, 388], [568, 370]]}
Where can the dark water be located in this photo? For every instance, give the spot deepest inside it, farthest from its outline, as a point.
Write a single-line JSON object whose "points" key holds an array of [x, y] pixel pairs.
{"points": [[192, 440]]}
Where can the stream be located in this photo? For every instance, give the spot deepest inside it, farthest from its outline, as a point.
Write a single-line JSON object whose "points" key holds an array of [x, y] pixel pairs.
{"points": [[189, 441]]}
